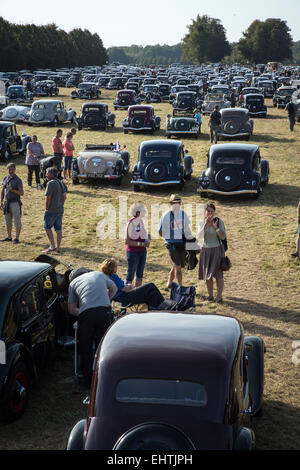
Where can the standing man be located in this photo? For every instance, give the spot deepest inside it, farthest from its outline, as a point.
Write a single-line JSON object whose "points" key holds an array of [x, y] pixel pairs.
{"points": [[89, 299], [296, 254], [55, 196], [214, 123], [34, 153], [174, 227], [12, 190], [291, 110], [57, 147]]}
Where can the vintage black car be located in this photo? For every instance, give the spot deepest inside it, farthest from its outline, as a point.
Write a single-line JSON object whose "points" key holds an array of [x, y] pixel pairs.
{"points": [[233, 170], [17, 94], [141, 118], [95, 115], [31, 322], [86, 90], [235, 122], [45, 88], [150, 94], [255, 103], [185, 101], [161, 163], [266, 87], [164, 91], [182, 124], [283, 95], [10, 141], [126, 98], [173, 382], [115, 83]]}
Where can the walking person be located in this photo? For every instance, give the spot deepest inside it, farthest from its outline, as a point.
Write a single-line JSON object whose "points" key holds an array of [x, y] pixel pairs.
{"points": [[57, 147], [291, 110], [89, 299], [296, 253], [34, 153], [174, 227], [212, 232], [55, 196], [137, 241], [69, 148], [214, 123], [198, 117], [12, 190]]}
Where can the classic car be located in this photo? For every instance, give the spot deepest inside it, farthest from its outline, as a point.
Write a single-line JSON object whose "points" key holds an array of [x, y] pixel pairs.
{"points": [[222, 90], [161, 163], [141, 118], [176, 89], [10, 141], [282, 96], [172, 382], [49, 112], [234, 169], [15, 113], [255, 103], [150, 94], [115, 83], [213, 99], [164, 91], [86, 90], [134, 86], [19, 95], [182, 125], [31, 323], [45, 88], [235, 122], [185, 101], [266, 87], [95, 115], [126, 98], [100, 162]]}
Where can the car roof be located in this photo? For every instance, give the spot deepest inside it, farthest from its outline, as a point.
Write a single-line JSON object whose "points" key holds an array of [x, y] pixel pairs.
{"points": [[6, 123], [193, 347], [13, 276], [234, 110], [228, 147], [159, 143], [140, 106]]}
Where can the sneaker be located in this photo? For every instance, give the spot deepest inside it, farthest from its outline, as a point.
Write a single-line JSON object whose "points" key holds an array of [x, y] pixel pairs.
{"points": [[7, 239], [16, 241], [49, 250], [38, 186], [295, 255]]}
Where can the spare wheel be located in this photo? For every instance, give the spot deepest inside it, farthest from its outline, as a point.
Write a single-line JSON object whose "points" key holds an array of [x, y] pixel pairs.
{"points": [[38, 115], [138, 122], [11, 113], [232, 127], [156, 171], [181, 125], [228, 178]]}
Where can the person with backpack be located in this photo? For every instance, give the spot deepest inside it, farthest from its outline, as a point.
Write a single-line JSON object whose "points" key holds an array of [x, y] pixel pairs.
{"points": [[55, 196], [213, 234]]}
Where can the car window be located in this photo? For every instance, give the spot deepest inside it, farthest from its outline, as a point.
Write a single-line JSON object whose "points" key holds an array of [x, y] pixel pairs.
{"points": [[159, 154], [8, 132], [157, 391], [229, 160], [40, 106], [29, 303]]}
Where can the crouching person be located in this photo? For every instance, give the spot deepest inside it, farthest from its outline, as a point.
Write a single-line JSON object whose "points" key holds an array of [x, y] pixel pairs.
{"points": [[89, 298]]}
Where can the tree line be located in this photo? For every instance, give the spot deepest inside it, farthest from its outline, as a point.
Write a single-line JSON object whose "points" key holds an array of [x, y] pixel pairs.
{"points": [[206, 42], [36, 47]]}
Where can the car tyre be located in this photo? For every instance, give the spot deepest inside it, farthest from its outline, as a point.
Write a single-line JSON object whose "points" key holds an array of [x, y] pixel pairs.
{"points": [[136, 188], [6, 154], [16, 393], [55, 122], [203, 194]]}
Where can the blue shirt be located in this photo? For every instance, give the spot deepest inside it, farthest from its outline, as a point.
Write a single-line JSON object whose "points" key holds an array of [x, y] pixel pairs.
{"points": [[173, 226], [198, 118], [119, 283]]}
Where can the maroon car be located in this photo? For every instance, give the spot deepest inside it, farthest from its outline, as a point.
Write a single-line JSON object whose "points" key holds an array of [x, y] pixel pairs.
{"points": [[141, 118], [173, 381]]}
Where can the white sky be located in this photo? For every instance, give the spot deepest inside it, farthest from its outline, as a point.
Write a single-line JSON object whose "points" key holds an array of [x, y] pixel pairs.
{"points": [[149, 22]]}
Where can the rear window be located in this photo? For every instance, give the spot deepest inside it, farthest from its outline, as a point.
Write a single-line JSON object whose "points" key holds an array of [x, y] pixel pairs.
{"points": [[161, 392], [229, 160], [159, 154]]}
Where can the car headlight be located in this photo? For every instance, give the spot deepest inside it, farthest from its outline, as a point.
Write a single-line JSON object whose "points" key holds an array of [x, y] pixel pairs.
{"points": [[254, 182]]}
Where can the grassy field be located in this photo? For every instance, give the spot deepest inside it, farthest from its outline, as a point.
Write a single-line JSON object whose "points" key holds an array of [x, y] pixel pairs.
{"points": [[261, 289]]}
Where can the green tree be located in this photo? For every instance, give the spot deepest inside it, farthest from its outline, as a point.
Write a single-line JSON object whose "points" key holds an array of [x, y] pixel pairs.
{"points": [[206, 41], [266, 41]]}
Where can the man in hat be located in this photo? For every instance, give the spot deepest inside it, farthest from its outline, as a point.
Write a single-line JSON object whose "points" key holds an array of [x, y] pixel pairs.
{"points": [[89, 298], [174, 227]]}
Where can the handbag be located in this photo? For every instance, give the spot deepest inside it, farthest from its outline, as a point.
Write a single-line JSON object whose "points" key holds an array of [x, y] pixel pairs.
{"points": [[225, 264]]}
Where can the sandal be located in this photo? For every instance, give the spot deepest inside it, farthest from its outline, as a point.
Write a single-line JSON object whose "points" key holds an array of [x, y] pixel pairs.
{"points": [[49, 250], [219, 300]]}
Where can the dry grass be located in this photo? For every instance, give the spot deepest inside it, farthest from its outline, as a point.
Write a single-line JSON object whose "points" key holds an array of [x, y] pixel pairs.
{"points": [[261, 290]]}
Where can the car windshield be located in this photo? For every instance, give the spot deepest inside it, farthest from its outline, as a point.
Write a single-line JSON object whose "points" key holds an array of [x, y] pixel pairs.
{"points": [[285, 92], [164, 392]]}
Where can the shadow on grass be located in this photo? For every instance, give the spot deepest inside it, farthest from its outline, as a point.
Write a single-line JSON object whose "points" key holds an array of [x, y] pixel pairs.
{"points": [[278, 428], [263, 310], [272, 138]]}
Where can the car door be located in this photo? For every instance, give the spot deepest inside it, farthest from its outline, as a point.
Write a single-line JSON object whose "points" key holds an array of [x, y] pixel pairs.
{"points": [[10, 135]]}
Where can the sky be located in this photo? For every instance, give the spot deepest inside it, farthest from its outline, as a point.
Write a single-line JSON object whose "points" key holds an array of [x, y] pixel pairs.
{"points": [[149, 22]]}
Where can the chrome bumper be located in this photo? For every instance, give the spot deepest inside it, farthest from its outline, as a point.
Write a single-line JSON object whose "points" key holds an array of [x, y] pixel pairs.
{"points": [[229, 193], [149, 183]]}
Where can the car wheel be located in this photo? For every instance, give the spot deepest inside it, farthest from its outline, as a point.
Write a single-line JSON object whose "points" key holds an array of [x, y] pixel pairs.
{"points": [[203, 194], [16, 393], [136, 188], [125, 131], [55, 122], [6, 154], [75, 180], [118, 181]]}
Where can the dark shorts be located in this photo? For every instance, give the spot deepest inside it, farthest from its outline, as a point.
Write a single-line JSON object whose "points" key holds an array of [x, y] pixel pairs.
{"points": [[67, 162], [177, 254], [51, 219]]}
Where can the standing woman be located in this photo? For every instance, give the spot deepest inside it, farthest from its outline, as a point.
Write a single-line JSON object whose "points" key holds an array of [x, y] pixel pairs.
{"points": [[137, 241], [212, 232], [68, 154]]}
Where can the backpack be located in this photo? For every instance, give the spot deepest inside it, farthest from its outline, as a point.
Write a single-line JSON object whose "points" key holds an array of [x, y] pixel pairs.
{"points": [[225, 244], [184, 297]]}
